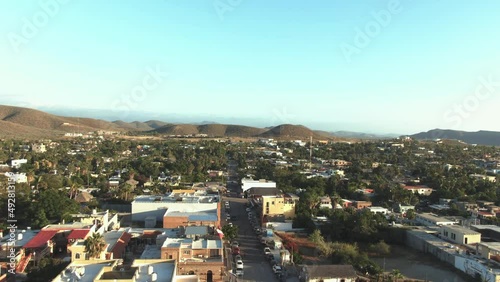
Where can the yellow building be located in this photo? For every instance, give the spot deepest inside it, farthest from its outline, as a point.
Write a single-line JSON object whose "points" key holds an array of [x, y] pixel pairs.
{"points": [[460, 235], [280, 205]]}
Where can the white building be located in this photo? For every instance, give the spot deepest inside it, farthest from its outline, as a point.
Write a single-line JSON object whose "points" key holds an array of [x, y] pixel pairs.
{"points": [[155, 206], [17, 177], [18, 163], [38, 148], [429, 219], [380, 210], [247, 183]]}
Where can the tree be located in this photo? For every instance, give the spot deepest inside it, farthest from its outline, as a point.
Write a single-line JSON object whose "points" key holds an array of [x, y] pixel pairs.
{"points": [[410, 214], [230, 232], [396, 275], [40, 219], [95, 245]]}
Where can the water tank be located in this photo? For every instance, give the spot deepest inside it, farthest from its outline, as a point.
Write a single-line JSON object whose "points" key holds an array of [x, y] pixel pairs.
{"points": [[154, 277], [94, 211], [150, 269], [19, 236]]}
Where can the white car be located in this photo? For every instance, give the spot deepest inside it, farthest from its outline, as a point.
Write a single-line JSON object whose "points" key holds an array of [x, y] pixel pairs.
{"points": [[277, 269], [239, 264], [267, 250]]}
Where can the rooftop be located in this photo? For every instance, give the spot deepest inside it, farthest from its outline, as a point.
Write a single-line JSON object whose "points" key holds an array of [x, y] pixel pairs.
{"points": [[84, 271], [27, 235], [486, 227], [163, 268], [183, 243], [432, 217], [461, 229], [196, 230], [40, 239], [196, 198], [193, 216]]}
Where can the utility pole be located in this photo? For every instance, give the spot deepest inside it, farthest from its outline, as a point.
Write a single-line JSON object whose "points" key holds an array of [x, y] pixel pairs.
{"points": [[310, 152]]}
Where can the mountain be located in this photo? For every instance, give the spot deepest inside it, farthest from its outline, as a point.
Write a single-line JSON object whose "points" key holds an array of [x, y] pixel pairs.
{"points": [[133, 126], [290, 131], [481, 137], [361, 135], [24, 122]]}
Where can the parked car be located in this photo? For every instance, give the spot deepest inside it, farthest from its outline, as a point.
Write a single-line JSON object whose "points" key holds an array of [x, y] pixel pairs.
{"points": [[237, 258], [239, 264], [235, 244], [277, 269], [267, 250], [248, 210], [236, 251]]}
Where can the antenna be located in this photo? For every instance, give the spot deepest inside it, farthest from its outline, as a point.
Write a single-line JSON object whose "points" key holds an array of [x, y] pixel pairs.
{"points": [[310, 152]]}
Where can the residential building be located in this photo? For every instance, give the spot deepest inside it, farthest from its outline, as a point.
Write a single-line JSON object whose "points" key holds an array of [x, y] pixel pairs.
{"points": [[460, 235], [17, 177], [419, 189], [17, 163], [379, 210], [279, 205], [176, 219], [361, 204], [247, 183], [38, 148], [490, 233], [325, 203], [429, 219], [328, 273], [203, 258], [400, 208]]}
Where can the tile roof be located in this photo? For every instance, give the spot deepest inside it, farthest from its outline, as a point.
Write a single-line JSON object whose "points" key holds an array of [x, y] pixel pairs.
{"points": [[78, 234], [41, 239]]}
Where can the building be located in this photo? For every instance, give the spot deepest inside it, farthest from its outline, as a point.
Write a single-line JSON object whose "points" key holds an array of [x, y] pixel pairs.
{"points": [[403, 208], [328, 273], [178, 200], [247, 183], [459, 235], [379, 210], [420, 189], [176, 219], [489, 250], [279, 205], [429, 219], [38, 148], [17, 177], [325, 203], [361, 204], [111, 270], [203, 258], [116, 242], [488, 232], [17, 163]]}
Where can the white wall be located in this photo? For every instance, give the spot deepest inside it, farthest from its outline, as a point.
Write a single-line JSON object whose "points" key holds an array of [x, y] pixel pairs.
{"points": [[471, 267], [141, 210]]}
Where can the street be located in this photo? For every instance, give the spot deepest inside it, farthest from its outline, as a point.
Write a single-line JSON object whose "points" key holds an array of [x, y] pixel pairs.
{"points": [[256, 266]]}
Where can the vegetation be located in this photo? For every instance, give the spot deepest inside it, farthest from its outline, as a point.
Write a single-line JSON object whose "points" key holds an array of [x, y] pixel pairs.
{"points": [[95, 245], [230, 232], [46, 270]]}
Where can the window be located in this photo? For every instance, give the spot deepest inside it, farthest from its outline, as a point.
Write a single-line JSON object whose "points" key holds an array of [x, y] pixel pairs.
{"points": [[453, 236], [77, 256], [273, 202], [187, 252]]}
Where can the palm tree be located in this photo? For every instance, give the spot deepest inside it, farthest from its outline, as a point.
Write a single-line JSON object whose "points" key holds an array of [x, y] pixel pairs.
{"points": [[95, 245], [396, 275]]}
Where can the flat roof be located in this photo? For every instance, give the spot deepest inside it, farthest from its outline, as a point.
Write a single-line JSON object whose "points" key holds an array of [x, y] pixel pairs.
{"points": [[89, 270], [434, 217], [461, 229], [26, 234], [487, 227], [151, 252], [211, 215], [191, 244], [164, 269], [196, 230]]}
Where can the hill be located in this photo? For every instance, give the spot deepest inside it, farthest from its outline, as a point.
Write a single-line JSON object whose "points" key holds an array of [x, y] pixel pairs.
{"points": [[291, 131], [24, 122], [482, 137]]}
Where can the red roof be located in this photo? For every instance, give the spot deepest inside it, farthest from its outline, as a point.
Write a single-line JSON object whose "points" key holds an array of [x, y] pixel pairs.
{"points": [[120, 246], [78, 234], [40, 239]]}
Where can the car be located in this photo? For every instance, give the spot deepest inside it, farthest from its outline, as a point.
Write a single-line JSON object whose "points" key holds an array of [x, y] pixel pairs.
{"points": [[228, 215], [230, 224], [248, 210], [239, 264], [235, 244], [236, 251], [237, 258], [277, 269], [238, 271], [270, 257], [267, 250]]}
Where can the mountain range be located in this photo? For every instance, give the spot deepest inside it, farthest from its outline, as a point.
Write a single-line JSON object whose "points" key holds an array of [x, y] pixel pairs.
{"points": [[30, 123]]}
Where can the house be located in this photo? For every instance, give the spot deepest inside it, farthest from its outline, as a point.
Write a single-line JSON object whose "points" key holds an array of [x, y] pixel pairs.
{"points": [[17, 163], [402, 208], [203, 258], [325, 203], [38, 148], [361, 204], [378, 210], [328, 273], [419, 189], [17, 177], [459, 235]]}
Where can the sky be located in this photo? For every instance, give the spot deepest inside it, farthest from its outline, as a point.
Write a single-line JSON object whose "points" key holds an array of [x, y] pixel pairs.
{"points": [[374, 66]]}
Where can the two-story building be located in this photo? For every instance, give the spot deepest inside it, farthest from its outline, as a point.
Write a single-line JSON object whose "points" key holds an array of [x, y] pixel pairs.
{"points": [[279, 205]]}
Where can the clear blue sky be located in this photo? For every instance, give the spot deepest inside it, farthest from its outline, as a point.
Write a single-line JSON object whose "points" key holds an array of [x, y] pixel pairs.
{"points": [[266, 61]]}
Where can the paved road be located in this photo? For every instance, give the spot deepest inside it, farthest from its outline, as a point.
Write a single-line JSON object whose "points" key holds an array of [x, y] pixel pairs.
{"points": [[256, 267]]}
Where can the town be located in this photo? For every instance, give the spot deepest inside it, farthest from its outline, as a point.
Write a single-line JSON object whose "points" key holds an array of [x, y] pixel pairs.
{"points": [[107, 207]]}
